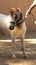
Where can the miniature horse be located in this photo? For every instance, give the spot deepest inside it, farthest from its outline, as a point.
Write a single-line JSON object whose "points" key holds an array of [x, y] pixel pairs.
{"points": [[16, 28]]}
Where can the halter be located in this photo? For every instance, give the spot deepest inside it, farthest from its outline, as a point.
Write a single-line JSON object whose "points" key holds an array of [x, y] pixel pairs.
{"points": [[16, 23], [19, 22]]}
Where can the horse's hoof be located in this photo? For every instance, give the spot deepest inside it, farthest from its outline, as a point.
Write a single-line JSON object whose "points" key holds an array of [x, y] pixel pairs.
{"points": [[14, 56], [25, 56], [21, 49]]}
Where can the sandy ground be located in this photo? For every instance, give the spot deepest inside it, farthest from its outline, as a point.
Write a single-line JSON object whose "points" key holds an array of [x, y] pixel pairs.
{"points": [[6, 54]]}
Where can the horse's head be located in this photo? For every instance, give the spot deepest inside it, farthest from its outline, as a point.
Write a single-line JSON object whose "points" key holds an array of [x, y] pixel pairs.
{"points": [[16, 15]]}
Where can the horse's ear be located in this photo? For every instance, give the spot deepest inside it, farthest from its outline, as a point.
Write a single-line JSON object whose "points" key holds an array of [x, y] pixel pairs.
{"points": [[18, 10]]}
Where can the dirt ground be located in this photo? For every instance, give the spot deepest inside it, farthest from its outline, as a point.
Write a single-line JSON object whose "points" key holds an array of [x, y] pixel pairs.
{"points": [[18, 62], [6, 54]]}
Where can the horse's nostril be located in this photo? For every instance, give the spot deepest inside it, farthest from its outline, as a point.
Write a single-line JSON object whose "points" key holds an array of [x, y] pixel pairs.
{"points": [[11, 27]]}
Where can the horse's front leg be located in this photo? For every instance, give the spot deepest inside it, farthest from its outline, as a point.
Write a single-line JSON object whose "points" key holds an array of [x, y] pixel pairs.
{"points": [[23, 46], [13, 46]]}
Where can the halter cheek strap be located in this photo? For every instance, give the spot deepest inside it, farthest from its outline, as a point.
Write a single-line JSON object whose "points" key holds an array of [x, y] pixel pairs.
{"points": [[21, 21], [18, 18]]}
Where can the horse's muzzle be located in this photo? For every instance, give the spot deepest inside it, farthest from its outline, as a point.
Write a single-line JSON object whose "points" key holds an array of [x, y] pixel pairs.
{"points": [[11, 27]]}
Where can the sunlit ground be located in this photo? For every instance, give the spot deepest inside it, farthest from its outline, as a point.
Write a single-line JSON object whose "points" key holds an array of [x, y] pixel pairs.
{"points": [[31, 41]]}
